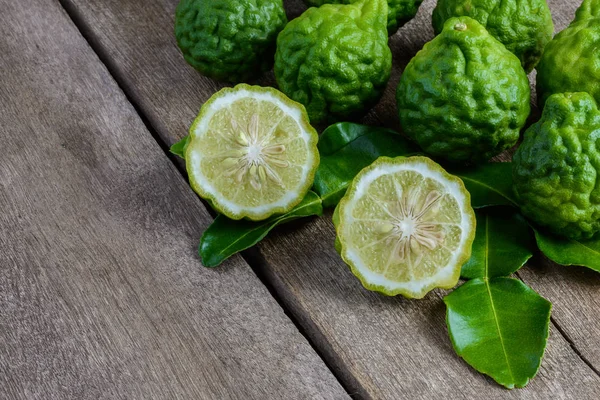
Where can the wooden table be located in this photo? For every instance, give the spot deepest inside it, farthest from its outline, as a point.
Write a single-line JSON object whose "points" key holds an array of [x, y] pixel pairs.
{"points": [[102, 295]]}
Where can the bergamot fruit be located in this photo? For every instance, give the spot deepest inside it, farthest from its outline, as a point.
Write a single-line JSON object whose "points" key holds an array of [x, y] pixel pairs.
{"points": [[571, 61], [523, 26], [464, 97], [229, 40], [252, 152], [588, 9], [399, 11], [405, 226], [335, 59], [556, 170]]}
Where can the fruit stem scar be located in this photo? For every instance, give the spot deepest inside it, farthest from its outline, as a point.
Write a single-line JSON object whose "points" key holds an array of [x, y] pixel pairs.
{"points": [[461, 26]]}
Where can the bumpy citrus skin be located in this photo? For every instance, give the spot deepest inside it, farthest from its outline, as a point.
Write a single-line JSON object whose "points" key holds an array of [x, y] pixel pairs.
{"points": [[556, 171], [464, 97], [399, 11], [523, 26], [335, 59], [588, 9], [571, 61], [228, 40]]}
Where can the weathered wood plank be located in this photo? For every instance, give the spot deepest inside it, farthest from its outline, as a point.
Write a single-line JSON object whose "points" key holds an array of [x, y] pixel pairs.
{"points": [[383, 348], [576, 294], [101, 293]]}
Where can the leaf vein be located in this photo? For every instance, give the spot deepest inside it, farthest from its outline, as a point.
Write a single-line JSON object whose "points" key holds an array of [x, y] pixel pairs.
{"points": [[266, 224], [487, 285]]}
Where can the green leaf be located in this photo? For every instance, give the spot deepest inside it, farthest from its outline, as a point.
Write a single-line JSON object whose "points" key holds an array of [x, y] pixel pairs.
{"points": [[570, 252], [225, 237], [179, 148], [346, 149], [503, 244], [500, 327], [489, 184]]}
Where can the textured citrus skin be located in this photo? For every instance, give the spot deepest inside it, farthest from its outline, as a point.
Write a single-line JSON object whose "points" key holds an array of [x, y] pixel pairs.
{"points": [[588, 9], [228, 40], [571, 61], [464, 97], [523, 26], [335, 59], [399, 11], [556, 171]]}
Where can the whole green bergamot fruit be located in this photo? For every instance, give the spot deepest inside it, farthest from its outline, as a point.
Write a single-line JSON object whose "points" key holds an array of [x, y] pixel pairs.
{"points": [[228, 40], [464, 97], [556, 171], [523, 26], [571, 61], [335, 59], [399, 11]]}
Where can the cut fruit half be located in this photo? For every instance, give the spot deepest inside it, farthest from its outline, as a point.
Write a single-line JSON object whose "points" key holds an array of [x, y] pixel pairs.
{"points": [[252, 152], [405, 226]]}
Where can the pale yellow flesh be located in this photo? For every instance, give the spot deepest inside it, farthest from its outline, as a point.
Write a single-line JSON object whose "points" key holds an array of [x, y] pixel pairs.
{"points": [[252, 153], [404, 227]]}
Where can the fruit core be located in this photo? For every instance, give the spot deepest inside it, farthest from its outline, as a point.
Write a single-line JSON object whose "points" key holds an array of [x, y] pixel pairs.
{"points": [[406, 230], [253, 156]]}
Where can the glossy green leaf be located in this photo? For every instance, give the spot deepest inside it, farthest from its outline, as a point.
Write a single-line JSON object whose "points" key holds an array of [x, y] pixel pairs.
{"points": [[225, 237], [500, 327], [179, 148], [346, 149], [489, 184], [503, 244], [570, 252]]}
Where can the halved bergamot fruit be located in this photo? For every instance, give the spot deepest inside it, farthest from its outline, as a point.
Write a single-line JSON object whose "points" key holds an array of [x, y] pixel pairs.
{"points": [[252, 152], [405, 226]]}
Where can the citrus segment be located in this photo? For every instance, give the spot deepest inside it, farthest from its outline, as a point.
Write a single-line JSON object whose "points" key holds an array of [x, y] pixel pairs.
{"points": [[252, 152], [406, 226]]}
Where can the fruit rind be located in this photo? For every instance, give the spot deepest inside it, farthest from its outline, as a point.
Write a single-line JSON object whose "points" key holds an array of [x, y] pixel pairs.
{"points": [[232, 41], [556, 170], [571, 61], [448, 276], [335, 59], [211, 194], [399, 11], [464, 97], [524, 27]]}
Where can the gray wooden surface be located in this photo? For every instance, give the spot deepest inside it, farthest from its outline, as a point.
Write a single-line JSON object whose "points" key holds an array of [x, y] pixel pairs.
{"points": [[102, 295], [379, 347]]}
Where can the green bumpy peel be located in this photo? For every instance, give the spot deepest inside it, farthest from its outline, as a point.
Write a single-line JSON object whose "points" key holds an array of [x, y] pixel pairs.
{"points": [[464, 97], [556, 171], [571, 61], [335, 59], [228, 40], [399, 11], [523, 26], [588, 9]]}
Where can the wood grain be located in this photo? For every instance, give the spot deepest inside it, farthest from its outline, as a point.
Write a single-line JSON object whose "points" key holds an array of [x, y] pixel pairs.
{"points": [[102, 295], [382, 348]]}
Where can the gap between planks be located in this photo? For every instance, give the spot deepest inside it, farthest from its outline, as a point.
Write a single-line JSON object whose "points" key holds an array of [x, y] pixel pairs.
{"points": [[253, 257], [567, 338], [351, 385]]}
